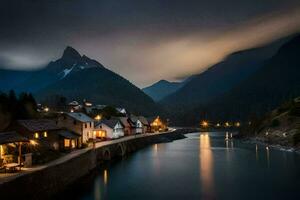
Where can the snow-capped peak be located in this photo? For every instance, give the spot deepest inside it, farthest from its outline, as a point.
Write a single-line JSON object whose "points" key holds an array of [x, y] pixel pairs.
{"points": [[67, 71]]}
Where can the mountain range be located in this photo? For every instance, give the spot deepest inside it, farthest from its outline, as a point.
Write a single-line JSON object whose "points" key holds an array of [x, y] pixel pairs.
{"points": [[245, 84], [276, 82], [221, 77], [162, 89], [78, 77], [243, 89]]}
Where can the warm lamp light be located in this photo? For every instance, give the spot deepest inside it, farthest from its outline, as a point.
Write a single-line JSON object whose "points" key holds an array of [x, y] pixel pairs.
{"points": [[204, 123], [36, 135], [98, 117], [32, 142]]}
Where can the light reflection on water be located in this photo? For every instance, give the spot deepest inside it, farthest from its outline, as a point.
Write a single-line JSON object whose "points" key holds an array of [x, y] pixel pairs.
{"points": [[105, 177], [97, 189], [206, 165], [268, 155]]}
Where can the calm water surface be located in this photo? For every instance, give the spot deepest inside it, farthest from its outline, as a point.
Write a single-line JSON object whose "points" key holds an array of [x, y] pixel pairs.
{"points": [[202, 166]]}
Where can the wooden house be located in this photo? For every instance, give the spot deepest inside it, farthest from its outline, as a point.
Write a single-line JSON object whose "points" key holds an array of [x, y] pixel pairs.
{"points": [[112, 128], [127, 124], [146, 125], [46, 133], [138, 127], [141, 124], [79, 123]]}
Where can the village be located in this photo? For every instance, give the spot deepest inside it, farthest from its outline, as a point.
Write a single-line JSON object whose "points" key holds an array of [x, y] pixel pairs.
{"points": [[33, 142]]}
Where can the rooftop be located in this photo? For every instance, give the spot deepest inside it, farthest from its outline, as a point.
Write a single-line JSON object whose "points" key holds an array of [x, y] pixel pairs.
{"points": [[80, 117], [140, 118], [11, 137], [38, 124], [110, 123], [125, 122]]}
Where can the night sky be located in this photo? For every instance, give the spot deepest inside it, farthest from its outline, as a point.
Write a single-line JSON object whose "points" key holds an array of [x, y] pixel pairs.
{"points": [[142, 40]]}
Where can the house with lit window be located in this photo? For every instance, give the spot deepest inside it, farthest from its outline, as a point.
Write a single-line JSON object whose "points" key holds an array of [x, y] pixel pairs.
{"points": [[157, 124], [111, 129], [45, 132], [78, 123], [74, 106]]}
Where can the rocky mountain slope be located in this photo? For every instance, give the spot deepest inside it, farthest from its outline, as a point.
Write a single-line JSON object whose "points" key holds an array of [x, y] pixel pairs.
{"points": [[221, 77], [281, 126]]}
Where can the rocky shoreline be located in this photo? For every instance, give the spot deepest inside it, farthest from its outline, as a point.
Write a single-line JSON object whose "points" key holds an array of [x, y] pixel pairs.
{"points": [[261, 141]]}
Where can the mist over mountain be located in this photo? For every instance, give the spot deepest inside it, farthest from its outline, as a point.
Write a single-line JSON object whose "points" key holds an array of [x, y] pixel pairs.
{"points": [[221, 77], [275, 81]]}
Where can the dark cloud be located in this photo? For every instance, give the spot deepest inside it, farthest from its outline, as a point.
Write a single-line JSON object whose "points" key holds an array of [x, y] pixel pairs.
{"points": [[143, 40]]}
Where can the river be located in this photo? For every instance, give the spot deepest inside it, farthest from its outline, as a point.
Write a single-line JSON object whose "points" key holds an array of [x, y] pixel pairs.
{"points": [[202, 166]]}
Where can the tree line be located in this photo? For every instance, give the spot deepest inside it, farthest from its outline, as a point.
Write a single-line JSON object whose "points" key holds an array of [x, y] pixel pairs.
{"points": [[14, 107]]}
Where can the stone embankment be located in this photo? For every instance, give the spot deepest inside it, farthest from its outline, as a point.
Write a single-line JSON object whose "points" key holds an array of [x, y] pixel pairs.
{"points": [[44, 181]]}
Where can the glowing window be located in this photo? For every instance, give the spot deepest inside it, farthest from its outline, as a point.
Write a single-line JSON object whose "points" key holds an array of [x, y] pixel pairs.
{"points": [[67, 143], [36, 135], [73, 144], [45, 134]]}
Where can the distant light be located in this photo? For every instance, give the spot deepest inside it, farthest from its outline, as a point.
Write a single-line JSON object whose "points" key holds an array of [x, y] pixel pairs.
{"points": [[227, 124], [71, 110], [46, 109], [218, 124], [284, 134], [204, 123], [267, 133], [45, 134], [98, 117], [88, 104], [267, 148], [237, 124]]}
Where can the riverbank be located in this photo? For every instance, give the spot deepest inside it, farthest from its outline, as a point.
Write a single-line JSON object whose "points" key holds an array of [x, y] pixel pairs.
{"points": [[279, 128], [260, 141], [44, 181]]}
